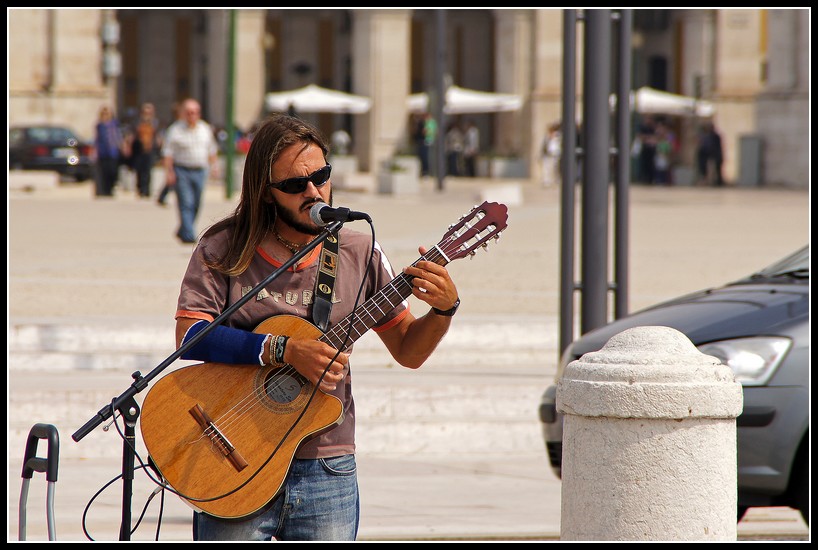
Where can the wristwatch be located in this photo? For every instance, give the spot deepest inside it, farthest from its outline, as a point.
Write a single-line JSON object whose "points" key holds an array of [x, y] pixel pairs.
{"points": [[448, 312]]}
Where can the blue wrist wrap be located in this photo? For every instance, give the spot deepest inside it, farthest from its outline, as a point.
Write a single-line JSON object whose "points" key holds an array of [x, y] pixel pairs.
{"points": [[225, 345]]}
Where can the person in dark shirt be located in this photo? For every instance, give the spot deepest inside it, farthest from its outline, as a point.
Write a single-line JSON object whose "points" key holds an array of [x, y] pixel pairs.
{"points": [[108, 144]]}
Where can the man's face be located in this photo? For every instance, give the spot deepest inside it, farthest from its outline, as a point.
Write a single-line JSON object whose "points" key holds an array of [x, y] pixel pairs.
{"points": [[192, 113], [294, 208]]}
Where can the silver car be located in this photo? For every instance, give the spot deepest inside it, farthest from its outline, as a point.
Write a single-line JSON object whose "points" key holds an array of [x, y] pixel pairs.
{"points": [[759, 326]]}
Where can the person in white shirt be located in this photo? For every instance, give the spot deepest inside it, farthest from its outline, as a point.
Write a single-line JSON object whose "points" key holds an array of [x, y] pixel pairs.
{"points": [[190, 153]]}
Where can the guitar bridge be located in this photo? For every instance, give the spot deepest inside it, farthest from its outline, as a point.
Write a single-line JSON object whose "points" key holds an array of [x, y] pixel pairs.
{"points": [[218, 438]]}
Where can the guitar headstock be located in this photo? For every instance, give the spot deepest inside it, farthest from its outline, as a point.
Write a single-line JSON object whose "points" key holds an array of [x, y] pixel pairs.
{"points": [[485, 221]]}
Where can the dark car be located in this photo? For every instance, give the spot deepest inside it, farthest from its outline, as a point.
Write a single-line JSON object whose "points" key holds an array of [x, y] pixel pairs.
{"points": [[759, 326], [52, 148]]}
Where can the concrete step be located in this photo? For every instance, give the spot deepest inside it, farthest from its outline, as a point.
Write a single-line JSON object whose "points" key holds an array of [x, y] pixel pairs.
{"points": [[472, 341], [444, 414], [478, 393]]}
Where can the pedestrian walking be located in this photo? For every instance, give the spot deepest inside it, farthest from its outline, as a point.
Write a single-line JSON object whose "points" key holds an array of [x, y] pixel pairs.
{"points": [[145, 147], [162, 197], [471, 148], [551, 155], [710, 156], [108, 142], [190, 152], [454, 143]]}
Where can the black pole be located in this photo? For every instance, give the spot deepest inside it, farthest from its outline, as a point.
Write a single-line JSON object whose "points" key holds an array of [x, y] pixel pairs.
{"points": [[440, 72], [595, 171], [230, 147], [568, 175], [129, 411], [623, 172]]}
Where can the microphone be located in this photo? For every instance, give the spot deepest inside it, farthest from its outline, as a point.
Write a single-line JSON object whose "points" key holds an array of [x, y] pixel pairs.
{"points": [[323, 214]]}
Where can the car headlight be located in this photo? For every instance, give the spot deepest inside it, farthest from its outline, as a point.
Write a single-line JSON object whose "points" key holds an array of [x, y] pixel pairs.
{"points": [[753, 360]]}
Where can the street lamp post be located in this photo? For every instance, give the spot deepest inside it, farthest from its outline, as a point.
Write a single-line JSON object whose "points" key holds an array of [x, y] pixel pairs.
{"points": [[440, 88]]}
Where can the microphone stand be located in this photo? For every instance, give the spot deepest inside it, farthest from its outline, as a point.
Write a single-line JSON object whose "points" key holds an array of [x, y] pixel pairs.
{"points": [[127, 407]]}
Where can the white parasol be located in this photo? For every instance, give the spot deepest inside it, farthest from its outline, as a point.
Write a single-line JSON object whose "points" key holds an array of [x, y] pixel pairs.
{"points": [[462, 101], [647, 100], [315, 99]]}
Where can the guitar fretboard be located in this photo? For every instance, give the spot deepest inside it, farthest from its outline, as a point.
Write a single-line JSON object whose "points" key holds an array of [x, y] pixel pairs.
{"points": [[367, 315]]}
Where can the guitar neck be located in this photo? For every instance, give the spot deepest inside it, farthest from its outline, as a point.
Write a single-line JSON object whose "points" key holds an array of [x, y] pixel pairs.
{"points": [[367, 315]]}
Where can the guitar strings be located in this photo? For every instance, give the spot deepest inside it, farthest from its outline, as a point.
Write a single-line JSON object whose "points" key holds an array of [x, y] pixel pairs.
{"points": [[227, 421], [247, 404], [235, 413], [251, 401], [402, 286]]}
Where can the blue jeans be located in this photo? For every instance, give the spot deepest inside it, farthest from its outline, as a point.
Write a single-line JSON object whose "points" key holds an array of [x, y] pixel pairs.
{"points": [[319, 502], [190, 184]]}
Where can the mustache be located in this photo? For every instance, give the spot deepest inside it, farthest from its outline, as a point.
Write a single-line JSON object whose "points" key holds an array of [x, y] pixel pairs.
{"points": [[309, 204]]}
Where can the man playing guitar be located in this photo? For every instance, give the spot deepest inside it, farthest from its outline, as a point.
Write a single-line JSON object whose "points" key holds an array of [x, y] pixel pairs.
{"points": [[316, 496]]}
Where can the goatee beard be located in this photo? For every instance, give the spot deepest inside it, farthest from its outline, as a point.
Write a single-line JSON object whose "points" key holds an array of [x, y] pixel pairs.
{"points": [[290, 218]]}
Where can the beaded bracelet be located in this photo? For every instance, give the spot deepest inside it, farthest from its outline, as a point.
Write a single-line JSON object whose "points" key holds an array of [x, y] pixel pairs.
{"points": [[272, 348], [281, 343]]}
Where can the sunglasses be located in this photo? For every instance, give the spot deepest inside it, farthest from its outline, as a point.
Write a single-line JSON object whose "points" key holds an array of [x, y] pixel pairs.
{"points": [[293, 186]]}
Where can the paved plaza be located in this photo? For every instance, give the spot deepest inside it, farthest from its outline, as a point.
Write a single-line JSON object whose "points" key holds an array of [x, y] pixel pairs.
{"points": [[450, 452]]}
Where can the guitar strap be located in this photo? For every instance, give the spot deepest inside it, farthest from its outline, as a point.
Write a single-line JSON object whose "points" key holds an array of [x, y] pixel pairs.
{"points": [[327, 270]]}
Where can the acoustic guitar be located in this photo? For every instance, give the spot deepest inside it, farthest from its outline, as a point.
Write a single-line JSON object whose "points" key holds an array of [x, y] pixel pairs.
{"points": [[223, 436]]}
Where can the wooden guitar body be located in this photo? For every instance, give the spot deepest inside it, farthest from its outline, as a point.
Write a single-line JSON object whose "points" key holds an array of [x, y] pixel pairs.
{"points": [[255, 409]]}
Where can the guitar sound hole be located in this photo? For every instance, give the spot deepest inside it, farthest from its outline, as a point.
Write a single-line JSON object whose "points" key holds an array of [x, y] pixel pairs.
{"points": [[283, 387]]}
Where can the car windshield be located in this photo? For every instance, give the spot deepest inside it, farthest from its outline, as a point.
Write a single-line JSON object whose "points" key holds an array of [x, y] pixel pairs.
{"points": [[796, 265], [49, 135]]}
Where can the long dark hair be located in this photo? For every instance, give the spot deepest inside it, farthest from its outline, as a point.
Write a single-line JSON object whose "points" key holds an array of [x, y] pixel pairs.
{"points": [[254, 216]]}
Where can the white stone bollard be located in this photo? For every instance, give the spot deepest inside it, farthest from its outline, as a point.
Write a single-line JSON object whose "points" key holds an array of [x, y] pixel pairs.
{"points": [[649, 441]]}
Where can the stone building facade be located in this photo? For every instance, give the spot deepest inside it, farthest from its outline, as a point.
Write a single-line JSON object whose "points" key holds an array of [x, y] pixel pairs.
{"points": [[753, 64]]}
